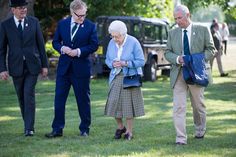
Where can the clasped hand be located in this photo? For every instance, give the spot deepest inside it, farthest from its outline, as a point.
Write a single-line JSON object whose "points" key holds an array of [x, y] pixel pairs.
{"points": [[69, 51], [118, 64]]}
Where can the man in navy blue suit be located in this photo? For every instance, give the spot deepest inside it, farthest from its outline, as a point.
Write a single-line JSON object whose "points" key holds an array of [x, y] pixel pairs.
{"points": [[75, 39]]}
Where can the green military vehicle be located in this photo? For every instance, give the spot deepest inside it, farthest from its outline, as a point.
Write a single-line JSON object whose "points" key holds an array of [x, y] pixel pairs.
{"points": [[152, 35]]}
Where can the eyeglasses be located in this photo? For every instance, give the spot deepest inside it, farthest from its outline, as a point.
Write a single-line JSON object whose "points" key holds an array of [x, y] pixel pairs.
{"points": [[80, 16], [21, 8], [117, 37]]}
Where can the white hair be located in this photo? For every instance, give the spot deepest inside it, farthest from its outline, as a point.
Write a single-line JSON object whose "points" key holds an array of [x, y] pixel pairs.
{"points": [[184, 9], [117, 26]]}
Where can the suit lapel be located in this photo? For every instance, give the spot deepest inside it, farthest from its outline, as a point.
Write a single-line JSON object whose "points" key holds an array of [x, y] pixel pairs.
{"points": [[13, 27], [80, 30], [179, 40], [26, 29], [81, 26], [193, 32]]}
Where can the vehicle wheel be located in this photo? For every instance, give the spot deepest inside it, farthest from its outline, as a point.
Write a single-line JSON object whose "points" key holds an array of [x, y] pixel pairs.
{"points": [[165, 72], [150, 71]]}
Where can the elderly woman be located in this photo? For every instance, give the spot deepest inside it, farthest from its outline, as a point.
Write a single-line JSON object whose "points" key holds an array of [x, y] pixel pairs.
{"points": [[124, 52]]}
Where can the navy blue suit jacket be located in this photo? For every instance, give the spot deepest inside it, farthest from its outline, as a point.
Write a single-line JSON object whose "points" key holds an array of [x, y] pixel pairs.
{"points": [[85, 39]]}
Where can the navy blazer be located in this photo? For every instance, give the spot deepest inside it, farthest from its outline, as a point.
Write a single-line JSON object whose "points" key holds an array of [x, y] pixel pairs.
{"points": [[85, 39], [194, 69], [31, 47]]}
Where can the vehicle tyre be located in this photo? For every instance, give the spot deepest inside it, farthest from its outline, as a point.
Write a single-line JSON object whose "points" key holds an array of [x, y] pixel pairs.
{"points": [[150, 71], [165, 72]]}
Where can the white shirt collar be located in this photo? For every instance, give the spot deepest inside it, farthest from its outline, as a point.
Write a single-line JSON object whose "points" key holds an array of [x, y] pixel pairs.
{"points": [[17, 21], [72, 20], [189, 28]]}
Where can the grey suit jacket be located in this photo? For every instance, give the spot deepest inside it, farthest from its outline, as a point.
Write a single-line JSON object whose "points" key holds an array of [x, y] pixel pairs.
{"points": [[31, 47], [201, 41]]}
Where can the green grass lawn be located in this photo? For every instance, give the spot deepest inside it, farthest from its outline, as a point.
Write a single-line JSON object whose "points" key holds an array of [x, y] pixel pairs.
{"points": [[154, 134]]}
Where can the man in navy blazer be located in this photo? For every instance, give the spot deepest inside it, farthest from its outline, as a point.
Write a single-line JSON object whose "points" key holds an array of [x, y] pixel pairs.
{"points": [[22, 45], [75, 39]]}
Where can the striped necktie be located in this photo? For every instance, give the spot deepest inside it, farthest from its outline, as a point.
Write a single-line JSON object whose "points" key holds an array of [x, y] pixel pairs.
{"points": [[74, 28]]}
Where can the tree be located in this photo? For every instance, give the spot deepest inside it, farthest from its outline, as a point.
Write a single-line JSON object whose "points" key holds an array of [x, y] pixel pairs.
{"points": [[193, 5], [53, 10], [229, 11]]}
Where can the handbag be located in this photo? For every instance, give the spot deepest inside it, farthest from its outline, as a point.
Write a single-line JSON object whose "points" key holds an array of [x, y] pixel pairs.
{"points": [[132, 81]]}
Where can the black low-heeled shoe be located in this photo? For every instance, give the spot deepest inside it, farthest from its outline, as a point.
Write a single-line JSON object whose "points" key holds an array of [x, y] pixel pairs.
{"points": [[128, 137], [119, 133]]}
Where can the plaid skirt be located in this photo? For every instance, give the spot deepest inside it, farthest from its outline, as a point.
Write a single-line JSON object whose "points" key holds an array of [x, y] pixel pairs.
{"points": [[124, 103]]}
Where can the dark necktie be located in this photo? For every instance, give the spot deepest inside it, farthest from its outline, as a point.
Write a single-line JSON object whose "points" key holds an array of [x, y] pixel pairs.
{"points": [[20, 29], [186, 44], [74, 28]]}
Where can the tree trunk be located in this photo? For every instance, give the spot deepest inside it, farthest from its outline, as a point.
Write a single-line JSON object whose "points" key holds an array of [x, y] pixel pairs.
{"points": [[6, 11]]}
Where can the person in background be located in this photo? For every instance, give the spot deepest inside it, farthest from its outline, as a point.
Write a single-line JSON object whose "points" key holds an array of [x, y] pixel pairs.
{"points": [[22, 43], [218, 45], [123, 52], [224, 31], [187, 39], [75, 39]]}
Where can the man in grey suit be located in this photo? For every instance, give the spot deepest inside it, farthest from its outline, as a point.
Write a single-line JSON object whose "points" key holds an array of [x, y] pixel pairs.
{"points": [[22, 44], [197, 39]]}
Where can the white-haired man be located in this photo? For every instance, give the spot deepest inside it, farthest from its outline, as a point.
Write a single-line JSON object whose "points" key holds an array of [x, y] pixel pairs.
{"points": [[187, 39]]}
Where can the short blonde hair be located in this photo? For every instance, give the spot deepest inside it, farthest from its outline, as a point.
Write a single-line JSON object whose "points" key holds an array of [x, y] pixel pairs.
{"points": [[117, 26], [77, 5]]}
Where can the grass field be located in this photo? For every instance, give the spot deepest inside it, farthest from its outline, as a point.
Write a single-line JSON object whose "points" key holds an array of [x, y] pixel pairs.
{"points": [[154, 134]]}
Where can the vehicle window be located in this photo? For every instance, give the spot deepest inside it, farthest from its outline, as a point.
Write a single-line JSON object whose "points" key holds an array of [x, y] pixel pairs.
{"points": [[152, 33], [127, 25], [100, 31], [164, 33], [137, 31]]}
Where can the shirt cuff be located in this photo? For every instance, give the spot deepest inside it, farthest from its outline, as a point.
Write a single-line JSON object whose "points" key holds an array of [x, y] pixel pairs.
{"points": [[78, 52], [177, 60], [62, 50]]}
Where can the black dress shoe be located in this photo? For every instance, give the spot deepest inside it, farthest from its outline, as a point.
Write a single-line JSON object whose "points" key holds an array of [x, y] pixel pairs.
{"points": [[53, 134], [119, 133], [224, 74], [128, 136], [29, 133]]}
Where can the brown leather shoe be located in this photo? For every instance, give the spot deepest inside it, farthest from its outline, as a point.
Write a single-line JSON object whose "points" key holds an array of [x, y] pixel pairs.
{"points": [[180, 143], [199, 137], [119, 133]]}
